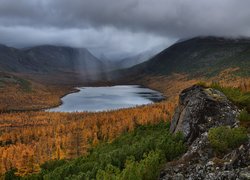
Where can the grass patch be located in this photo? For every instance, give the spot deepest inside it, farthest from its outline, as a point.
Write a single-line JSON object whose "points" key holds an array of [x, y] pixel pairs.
{"points": [[202, 84], [244, 116], [223, 138], [25, 85], [239, 98], [135, 155]]}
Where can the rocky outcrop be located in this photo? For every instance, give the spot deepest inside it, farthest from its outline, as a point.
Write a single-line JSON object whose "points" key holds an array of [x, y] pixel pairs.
{"points": [[200, 109], [199, 163]]}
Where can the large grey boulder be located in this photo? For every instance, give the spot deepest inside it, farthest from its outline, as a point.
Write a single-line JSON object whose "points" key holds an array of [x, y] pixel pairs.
{"points": [[198, 110], [201, 108]]}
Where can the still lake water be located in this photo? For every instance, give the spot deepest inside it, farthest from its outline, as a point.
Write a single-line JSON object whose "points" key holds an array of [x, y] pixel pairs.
{"points": [[94, 99]]}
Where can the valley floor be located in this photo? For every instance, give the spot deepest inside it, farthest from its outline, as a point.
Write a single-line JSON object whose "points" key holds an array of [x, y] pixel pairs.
{"points": [[28, 139]]}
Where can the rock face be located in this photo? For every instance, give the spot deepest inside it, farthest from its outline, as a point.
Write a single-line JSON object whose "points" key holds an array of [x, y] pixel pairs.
{"points": [[200, 109]]}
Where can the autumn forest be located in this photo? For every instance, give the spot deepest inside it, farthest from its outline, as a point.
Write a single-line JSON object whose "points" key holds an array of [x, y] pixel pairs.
{"points": [[30, 138]]}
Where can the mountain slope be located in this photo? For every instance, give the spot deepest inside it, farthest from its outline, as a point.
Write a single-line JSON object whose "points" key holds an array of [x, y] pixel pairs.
{"points": [[11, 59], [137, 59], [129, 61], [204, 56], [49, 59]]}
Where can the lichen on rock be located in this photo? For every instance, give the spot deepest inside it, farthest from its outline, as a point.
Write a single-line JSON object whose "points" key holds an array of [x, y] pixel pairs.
{"points": [[200, 109]]}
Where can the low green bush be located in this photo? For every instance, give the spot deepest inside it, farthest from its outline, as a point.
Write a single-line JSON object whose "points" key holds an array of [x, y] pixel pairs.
{"points": [[244, 116], [146, 169], [25, 85], [224, 138]]}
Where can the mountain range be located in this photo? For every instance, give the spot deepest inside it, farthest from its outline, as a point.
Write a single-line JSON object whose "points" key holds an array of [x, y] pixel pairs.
{"points": [[199, 56]]}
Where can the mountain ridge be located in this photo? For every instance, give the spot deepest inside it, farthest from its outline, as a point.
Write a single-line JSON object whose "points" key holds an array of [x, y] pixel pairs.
{"points": [[198, 56], [202, 56], [48, 59]]}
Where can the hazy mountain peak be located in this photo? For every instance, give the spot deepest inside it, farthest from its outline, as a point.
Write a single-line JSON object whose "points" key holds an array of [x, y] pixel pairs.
{"points": [[49, 59]]}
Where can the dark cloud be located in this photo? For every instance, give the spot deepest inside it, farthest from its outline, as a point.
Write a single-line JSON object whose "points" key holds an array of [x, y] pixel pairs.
{"points": [[119, 25], [108, 42]]}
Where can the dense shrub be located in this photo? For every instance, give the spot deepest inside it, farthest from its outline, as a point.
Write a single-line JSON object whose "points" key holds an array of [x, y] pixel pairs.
{"points": [[224, 138], [244, 116], [148, 168], [10, 175]]}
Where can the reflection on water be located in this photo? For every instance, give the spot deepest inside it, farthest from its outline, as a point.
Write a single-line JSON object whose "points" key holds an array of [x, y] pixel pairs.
{"points": [[95, 99]]}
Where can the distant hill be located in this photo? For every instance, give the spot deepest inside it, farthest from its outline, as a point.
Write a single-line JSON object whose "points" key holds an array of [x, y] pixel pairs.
{"points": [[203, 56], [136, 59], [48, 59], [130, 61]]}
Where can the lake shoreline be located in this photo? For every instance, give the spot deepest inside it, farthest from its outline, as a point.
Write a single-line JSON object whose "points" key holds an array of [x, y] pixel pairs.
{"points": [[106, 98], [75, 90]]}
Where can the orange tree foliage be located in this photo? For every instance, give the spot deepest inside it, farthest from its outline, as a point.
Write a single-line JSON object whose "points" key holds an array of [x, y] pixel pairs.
{"points": [[172, 85], [13, 97], [30, 138]]}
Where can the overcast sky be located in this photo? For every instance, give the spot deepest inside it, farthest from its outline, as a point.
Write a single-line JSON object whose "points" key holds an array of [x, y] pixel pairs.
{"points": [[116, 28]]}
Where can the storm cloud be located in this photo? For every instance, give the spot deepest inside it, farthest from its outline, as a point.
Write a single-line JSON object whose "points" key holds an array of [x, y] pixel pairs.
{"points": [[115, 27]]}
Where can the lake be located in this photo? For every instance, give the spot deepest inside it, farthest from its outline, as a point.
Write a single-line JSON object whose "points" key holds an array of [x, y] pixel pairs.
{"points": [[95, 99]]}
